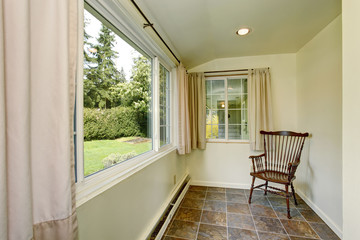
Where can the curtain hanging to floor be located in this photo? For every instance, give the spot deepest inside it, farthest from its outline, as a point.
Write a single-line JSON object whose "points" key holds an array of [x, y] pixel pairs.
{"points": [[38, 51], [192, 113], [259, 106]]}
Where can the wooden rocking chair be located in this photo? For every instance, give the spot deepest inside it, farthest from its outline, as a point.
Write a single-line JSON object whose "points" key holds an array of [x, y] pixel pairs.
{"points": [[278, 163]]}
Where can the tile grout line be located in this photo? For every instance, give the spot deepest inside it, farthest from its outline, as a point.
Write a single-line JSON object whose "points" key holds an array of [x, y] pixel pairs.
{"points": [[252, 217], [202, 209], [305, 220], [226, 215], [272, 207], [311, 226]]}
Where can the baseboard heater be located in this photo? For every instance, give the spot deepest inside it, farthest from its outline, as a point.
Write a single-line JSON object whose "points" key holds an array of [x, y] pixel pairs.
{"points": [[159, 230]]}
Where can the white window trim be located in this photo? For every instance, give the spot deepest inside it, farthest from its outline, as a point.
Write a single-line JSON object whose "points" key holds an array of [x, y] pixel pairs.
{"points": [[171, 106], [156, 102], [226, 140], [93, 185]]}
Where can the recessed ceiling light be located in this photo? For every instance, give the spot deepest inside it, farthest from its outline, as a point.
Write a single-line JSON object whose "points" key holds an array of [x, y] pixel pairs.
{"points": [[243, 31]]}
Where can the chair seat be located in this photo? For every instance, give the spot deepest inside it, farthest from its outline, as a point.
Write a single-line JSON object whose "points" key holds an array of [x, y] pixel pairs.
{"points": [[272, 176]]}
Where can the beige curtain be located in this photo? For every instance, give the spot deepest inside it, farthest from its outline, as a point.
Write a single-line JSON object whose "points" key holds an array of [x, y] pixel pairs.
{"points": [[259, 106], [197, 110], [38, 48], [192, 113], [184, 139]]}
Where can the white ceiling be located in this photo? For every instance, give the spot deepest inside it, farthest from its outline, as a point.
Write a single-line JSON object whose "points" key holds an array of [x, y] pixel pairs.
{"points": [[202, 30]]}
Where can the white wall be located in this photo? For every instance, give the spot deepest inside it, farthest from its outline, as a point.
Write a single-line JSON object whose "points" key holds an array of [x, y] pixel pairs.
{"points": [[319, 91], [227, 164], [128, 209], [351, 118]]}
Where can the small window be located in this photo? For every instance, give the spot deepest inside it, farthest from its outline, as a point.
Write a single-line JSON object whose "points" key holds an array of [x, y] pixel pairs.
{"points": [[164, 78], [117, 97], [226, 109]]}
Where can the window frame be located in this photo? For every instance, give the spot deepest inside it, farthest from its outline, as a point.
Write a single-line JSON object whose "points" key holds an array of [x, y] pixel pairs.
{"points": [[226, 139], [118, 17], [168, 107]]}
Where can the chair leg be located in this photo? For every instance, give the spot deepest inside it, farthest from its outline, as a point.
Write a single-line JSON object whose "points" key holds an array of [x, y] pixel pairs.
{"points": [[287, 201], [266, 185], [251, 189], [293, 191]]}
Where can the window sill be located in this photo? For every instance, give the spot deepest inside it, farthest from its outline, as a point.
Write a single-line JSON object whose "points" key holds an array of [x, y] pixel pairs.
{"points": [[96, 184]]}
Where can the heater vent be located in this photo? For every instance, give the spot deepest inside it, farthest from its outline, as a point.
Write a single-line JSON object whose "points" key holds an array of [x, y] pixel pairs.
{"points": [[164, 220]]}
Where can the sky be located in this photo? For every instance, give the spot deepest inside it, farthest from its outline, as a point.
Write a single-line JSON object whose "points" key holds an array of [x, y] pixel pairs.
{"points": [[125, 52]]}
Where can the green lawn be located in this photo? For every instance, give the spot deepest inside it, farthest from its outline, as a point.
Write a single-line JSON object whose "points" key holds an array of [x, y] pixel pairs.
{"points": [[95, 151]]}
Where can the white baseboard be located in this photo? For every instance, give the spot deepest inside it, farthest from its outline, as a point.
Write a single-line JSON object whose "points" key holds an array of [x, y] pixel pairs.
{"points": [[219, 184], [313, 206], [163, 207], [321, 214]]}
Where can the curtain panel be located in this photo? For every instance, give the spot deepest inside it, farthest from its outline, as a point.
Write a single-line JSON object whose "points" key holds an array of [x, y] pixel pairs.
{"points": [[38, 51], [192, 112], [197, 110], [184, 139], [259, 106]]}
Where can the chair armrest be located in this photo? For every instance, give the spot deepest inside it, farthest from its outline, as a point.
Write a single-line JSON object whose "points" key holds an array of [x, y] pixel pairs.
{"points": [[292, 169], [258, 162], [256, 156]]}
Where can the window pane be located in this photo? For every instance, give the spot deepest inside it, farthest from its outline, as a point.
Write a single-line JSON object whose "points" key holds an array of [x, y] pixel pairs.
{"points": [[244, 117], [234, 132], [245, 90], [245, 131], [244, 102], [208, 117], [218, 117], [208, 87], [215, 131], [208, 102], [235, 101], [234, 86], [208, 131], [217, 102], [163, 116], [164, 85], [218, 87], [117, 98], [234, 116], [164, 136], [221, 134]]}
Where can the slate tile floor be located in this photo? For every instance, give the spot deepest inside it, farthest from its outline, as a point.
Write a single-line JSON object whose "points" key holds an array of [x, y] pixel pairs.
{"points": [[224, 214]]}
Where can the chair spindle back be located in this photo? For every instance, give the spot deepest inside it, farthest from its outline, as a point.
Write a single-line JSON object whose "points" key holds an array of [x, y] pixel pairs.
{"points": [[282, 148]]}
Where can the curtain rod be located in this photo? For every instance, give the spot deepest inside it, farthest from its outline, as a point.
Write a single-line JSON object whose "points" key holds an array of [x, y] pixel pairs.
{"points": [[227, 75], [235, 70], [149, 24], [238, 70]]}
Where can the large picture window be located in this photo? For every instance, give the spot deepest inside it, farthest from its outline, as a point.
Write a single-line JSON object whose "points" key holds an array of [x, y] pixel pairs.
{"points": [[123, 117], [117, 98], [226, 109]]}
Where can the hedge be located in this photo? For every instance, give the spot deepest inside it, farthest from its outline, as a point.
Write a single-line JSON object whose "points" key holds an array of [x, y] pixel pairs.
{"points": [[111, 123]]}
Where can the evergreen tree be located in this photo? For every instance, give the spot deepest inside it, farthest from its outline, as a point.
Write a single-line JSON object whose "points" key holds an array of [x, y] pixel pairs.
{"points": [[141, 72], [141, 91], [122, 76], [89, 69], [100, 72]]}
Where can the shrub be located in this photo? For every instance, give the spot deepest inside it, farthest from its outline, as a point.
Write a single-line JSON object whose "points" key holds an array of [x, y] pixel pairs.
{"points": [[110, 123], [116, 158]]}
